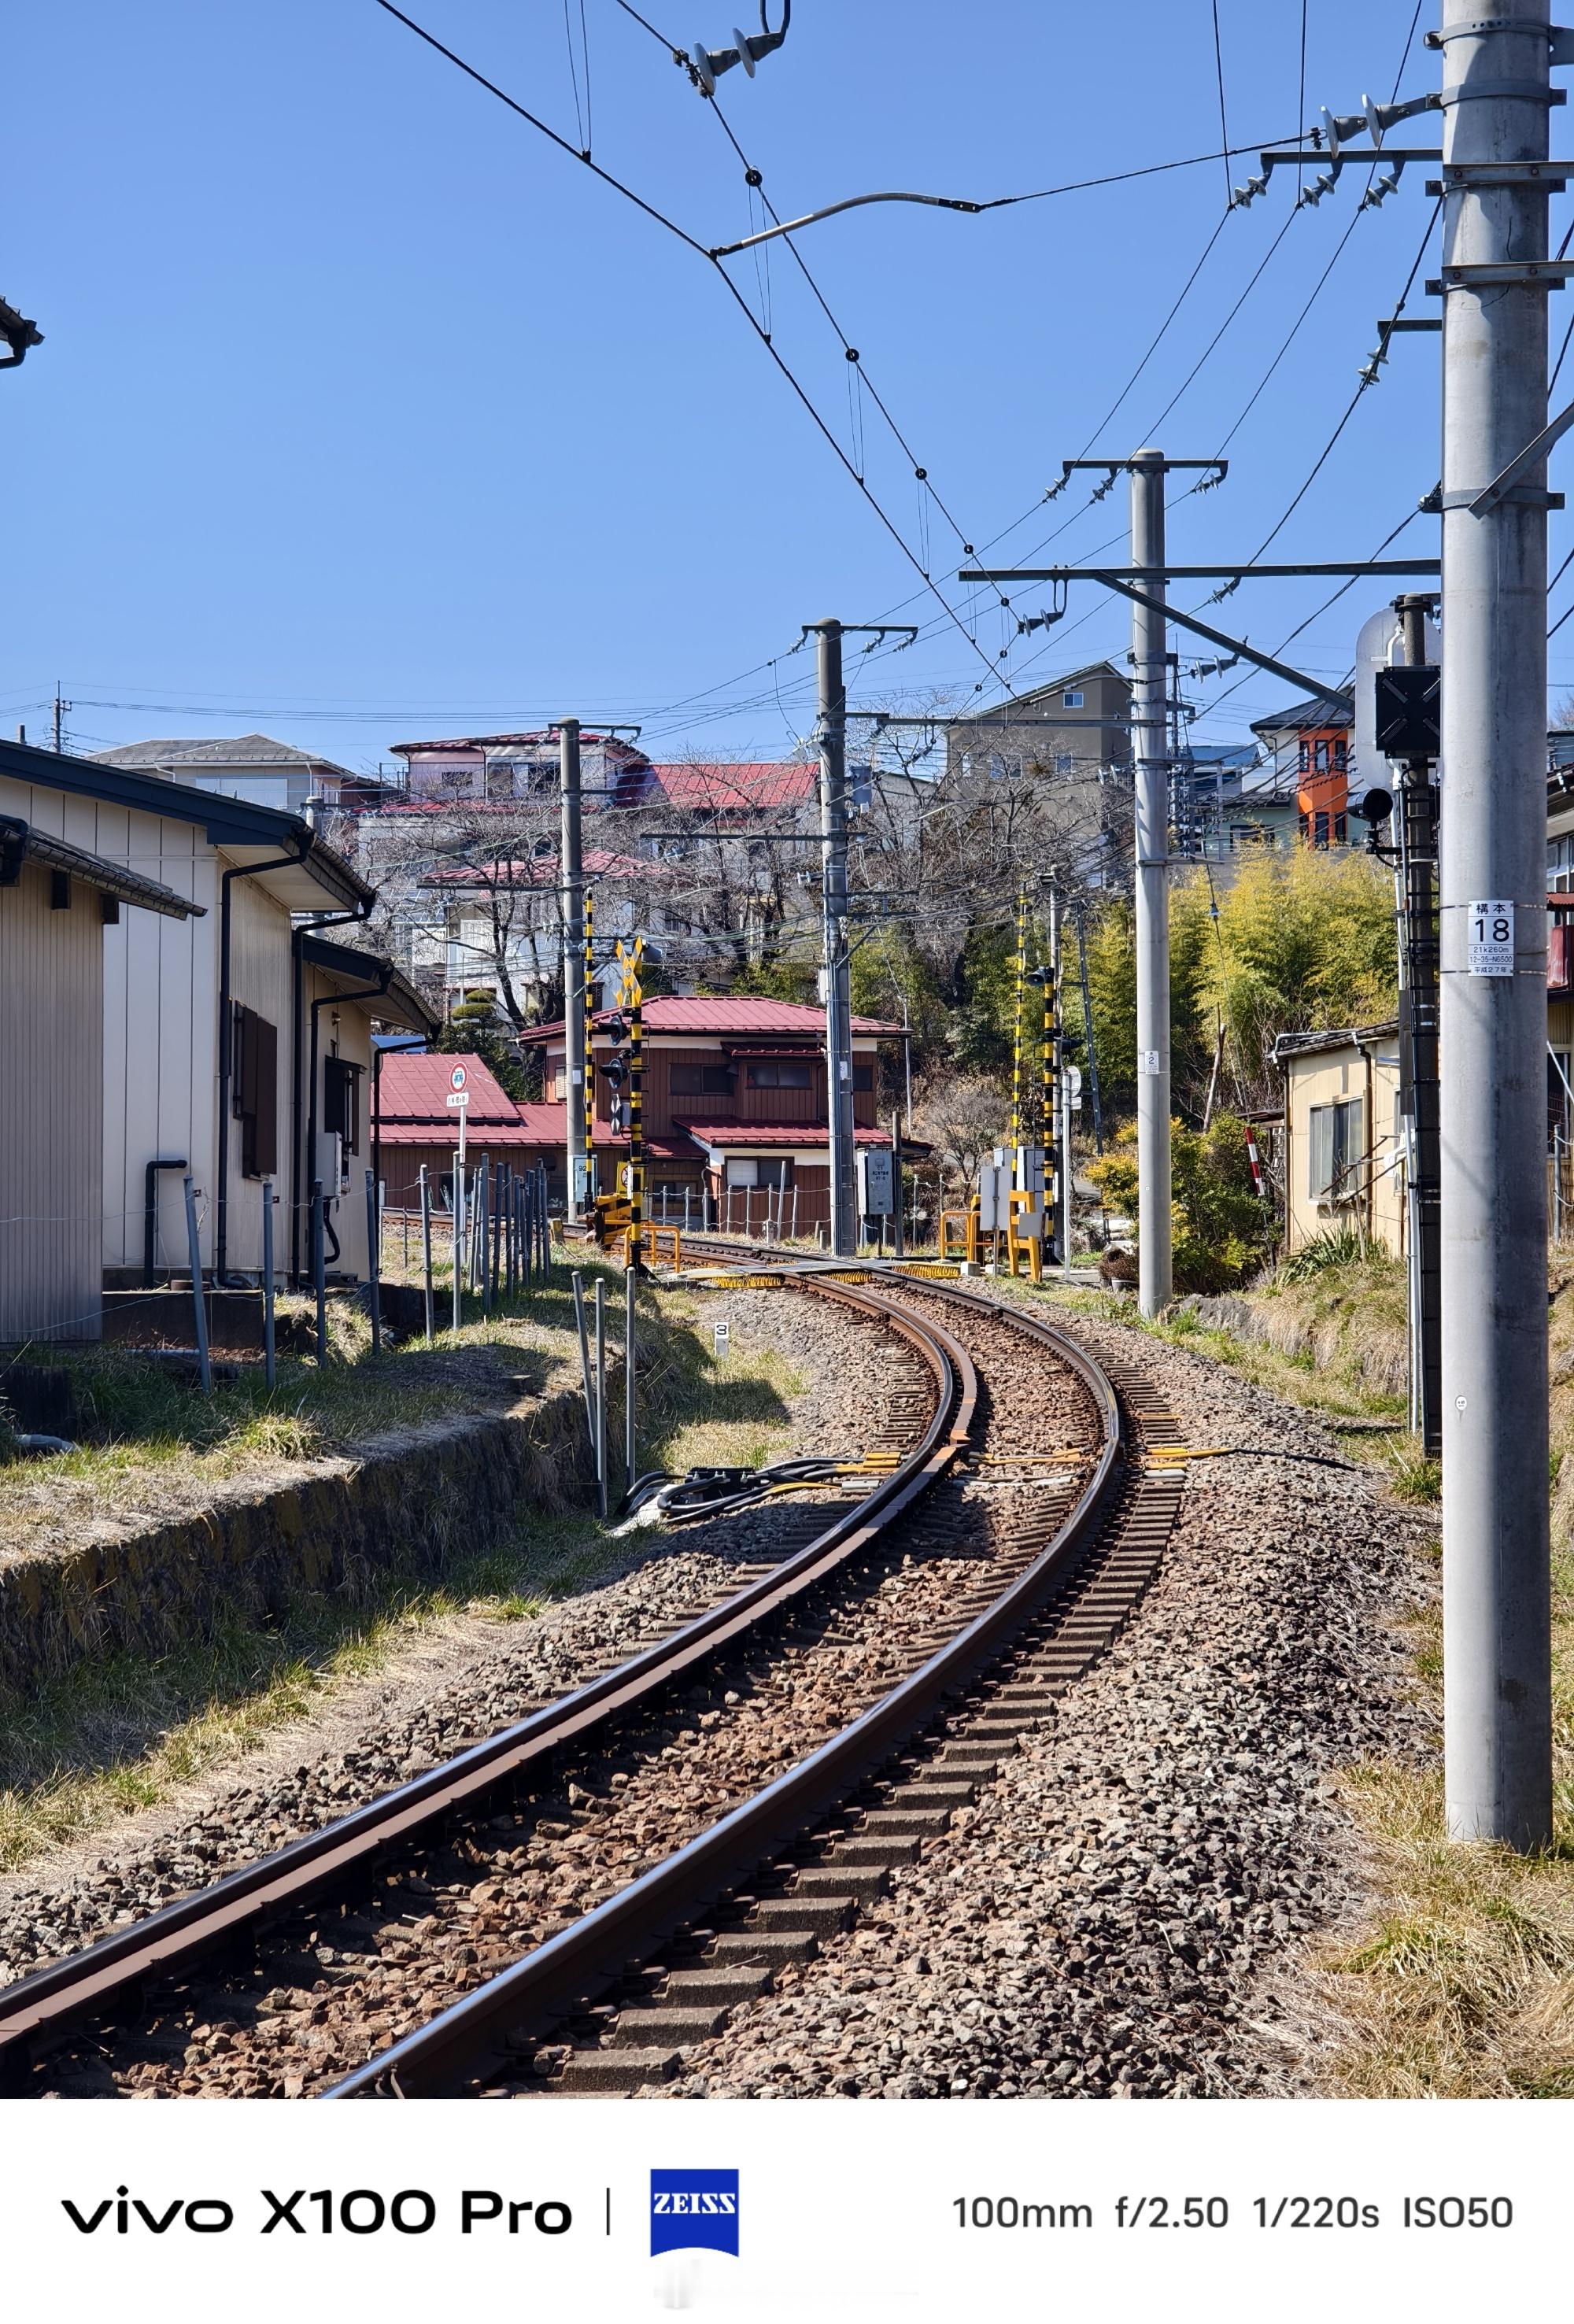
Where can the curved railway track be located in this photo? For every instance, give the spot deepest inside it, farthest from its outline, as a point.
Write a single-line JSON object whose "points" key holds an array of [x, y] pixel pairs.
{"points": [[938, 1615]]}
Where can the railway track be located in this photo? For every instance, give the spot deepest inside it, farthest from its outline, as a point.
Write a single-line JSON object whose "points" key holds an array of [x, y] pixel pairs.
{"points": [[884, 1667]]}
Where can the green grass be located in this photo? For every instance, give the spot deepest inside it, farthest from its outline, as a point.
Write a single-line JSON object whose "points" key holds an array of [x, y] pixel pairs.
{"points": [[122, 1733]]}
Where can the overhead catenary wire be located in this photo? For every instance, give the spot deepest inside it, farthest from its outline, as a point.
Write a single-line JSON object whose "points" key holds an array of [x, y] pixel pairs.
{"points": [[680, 233]]}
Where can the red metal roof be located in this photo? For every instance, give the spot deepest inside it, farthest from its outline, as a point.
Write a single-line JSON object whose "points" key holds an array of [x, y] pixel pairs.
{"points": [[774, 1133], [740, 1013], [736, 787], [414, 1085]]}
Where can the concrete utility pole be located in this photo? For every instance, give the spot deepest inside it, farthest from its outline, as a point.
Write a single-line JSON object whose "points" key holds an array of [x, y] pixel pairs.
{"points": [[1150, 692], [838, 994], [1496, 1617], [573, 1042]]}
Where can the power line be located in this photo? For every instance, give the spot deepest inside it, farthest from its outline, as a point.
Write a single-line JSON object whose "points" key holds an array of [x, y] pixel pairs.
{"points": [[1223, 123], [1365, 383], [680, 233]]}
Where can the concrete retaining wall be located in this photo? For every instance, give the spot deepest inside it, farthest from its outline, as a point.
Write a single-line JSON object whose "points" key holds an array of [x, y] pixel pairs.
{"points": [[412, 1502]]}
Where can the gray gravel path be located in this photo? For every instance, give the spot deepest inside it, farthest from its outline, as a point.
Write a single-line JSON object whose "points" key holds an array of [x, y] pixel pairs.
{"points": [[1126, 1909]]}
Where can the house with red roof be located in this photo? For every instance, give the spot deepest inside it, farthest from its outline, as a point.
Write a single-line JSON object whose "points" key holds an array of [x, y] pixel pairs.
{"points": [[415, 1125], [734, 1102]]}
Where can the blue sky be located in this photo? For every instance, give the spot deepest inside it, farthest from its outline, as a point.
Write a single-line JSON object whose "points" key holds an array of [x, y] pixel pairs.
{"points": [[363, 413]]}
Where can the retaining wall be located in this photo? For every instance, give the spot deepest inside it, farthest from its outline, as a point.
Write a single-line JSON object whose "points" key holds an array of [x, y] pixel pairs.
{"points": [[410, 1502]]}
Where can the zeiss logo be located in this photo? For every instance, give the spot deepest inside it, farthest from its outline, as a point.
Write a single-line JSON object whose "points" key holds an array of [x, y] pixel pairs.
{"points": [[694, 2210]]}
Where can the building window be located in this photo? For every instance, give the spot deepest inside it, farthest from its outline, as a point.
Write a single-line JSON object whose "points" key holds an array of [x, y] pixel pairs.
{"points": [[778, 1073], [255, 1101], [341, 1102], [863, 1072], [1342, 758], [1560, 865], [1065, 763], [1303, 757], [1320, 755], [1071, 700], [755, 1170], [701, 1080], [1319, 829], [1336, 1156]]}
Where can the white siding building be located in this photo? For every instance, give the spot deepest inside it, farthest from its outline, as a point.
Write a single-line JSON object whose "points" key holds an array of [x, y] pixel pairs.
{"points": [[207, 1022]]}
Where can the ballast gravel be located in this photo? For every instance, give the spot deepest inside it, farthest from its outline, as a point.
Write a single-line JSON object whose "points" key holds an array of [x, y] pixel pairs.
{"points": [[457, 1689], [1126, 1909]]}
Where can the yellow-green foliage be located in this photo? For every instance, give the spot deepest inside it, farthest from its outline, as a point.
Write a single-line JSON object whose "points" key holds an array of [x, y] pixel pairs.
{"points": [[1305, 941], [1216, 1219], [1302, 941]]}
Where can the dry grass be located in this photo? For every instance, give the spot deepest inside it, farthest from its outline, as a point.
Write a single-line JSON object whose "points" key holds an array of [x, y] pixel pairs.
{"points": [[124, 1733], [1463, 1985]]}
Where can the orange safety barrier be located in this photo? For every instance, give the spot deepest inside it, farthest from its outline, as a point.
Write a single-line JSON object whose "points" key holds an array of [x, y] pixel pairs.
{"points": [[651, 1235]]}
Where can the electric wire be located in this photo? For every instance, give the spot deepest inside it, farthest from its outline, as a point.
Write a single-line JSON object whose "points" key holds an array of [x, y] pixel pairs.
{"points": [[681, 235], [1223, 123], [1349, 408]]}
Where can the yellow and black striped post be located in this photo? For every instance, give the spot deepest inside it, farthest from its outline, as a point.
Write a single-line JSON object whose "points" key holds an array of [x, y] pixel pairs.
{"points": [[632, 998], [1017, 1036], [1049, 1083], [590, 951]]}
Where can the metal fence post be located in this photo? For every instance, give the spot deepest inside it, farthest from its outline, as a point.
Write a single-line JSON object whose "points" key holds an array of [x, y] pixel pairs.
{"points": [[199, 1312], [319, 1270], [631, 1289], [427, 1247], [373, 1264], [269, 1368], [578, 1287], [601, 1397]]}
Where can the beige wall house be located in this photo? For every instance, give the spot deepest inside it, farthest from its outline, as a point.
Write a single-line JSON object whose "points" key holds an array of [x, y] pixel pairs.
{"points": [[58, 904], [229, 1039], [1343, 1142]]}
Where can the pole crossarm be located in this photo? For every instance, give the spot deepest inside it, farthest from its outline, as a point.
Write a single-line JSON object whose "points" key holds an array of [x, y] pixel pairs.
{"points": [[1377, 567], [1333, 694]]}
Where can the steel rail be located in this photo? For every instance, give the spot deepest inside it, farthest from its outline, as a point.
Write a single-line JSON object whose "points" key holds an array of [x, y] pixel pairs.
{"points": [[38, 2008], [570, 1969]]}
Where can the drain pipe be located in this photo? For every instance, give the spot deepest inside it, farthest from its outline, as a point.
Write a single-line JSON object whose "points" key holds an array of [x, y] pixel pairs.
{"points": [[150, 1212], [332, 1001], [301, 1171], [226, 1039]]}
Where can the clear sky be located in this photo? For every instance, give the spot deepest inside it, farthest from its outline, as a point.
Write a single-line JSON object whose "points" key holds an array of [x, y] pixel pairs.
{"points": [[363, 413]]}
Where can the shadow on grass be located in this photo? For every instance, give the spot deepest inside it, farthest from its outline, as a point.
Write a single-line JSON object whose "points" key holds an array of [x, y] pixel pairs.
{"points": [[120, 1732]]}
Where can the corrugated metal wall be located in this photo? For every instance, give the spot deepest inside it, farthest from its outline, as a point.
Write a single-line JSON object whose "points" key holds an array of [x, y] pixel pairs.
{"points": [[52, 1111]]}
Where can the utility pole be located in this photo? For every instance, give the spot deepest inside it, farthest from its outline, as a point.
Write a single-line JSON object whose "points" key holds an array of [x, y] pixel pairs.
{"points": [[573, 1042], [1496, 1613], [836, 950], [1417, 836], [60, 710], [1149, 741]]}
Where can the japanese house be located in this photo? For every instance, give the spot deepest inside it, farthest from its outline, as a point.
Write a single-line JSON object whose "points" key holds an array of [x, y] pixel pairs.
{"points": [[58, 903], [415, 1127], [235, 1041], [734, 1098]]}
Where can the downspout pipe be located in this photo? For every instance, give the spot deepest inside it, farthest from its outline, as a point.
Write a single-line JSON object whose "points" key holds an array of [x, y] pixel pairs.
{"points": [[151, 1211], [226, 1038], [332, 1001], [301, 1187]]}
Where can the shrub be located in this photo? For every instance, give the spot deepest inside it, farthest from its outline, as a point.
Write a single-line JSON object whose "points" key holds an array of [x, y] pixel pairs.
{"points": [[1217, 1222], [1334, 1247]]}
